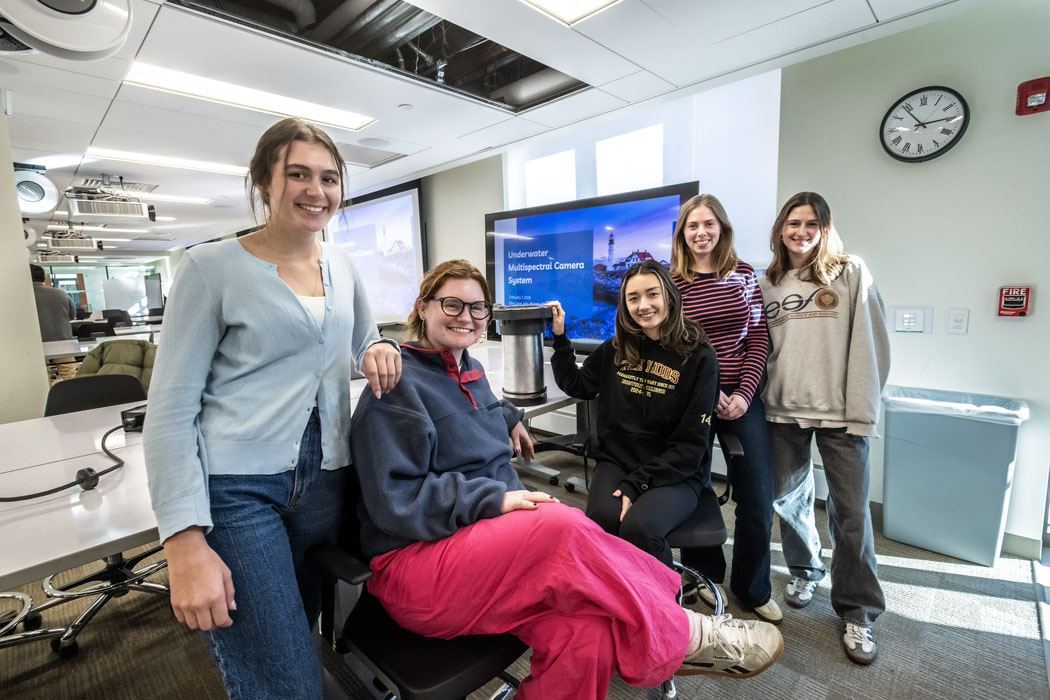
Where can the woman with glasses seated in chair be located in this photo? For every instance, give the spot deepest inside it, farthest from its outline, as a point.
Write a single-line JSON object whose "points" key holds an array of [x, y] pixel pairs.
{"points": [[656, 382], [458, 546]]}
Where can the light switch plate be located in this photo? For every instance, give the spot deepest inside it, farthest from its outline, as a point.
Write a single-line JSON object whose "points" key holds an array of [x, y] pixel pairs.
{"points": [[913, 319], [958, 321]]}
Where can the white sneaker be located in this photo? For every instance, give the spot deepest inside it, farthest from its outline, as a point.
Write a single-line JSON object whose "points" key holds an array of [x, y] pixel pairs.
{"points": [[859, 644], [799, 593], [708, 596], [770, 612], [735, 648]]}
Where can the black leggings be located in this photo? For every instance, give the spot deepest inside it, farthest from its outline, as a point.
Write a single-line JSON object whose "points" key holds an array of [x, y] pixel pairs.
{"points": [[656, 512]]}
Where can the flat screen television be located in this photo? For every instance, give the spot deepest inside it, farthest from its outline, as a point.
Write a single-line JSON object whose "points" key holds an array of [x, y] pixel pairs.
{"points": [[383, 232], [577, 252]]}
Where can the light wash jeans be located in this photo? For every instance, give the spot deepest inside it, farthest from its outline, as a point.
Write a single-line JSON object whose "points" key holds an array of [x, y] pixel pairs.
{"points": [[856, 594], [263, 526]]}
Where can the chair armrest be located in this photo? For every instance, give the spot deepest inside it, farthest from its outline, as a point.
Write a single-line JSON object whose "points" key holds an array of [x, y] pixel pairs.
{"points": [[730, 445], [339, 563]]}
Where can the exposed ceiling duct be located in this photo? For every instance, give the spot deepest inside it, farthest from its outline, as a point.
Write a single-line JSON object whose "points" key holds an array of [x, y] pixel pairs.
{"points": [[409, 40], [303, 11]]}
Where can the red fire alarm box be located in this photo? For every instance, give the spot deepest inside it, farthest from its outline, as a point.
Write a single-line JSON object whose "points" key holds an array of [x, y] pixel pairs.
{"points": [[1032, 96], [1014, 301]]}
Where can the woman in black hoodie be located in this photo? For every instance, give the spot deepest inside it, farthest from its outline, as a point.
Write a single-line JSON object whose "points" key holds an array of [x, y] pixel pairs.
{"points": [[657, 380]]}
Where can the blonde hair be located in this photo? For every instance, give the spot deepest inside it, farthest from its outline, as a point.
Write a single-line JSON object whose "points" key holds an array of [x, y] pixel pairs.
{"points": [[432, 282], [724, 254], [827, 259]]}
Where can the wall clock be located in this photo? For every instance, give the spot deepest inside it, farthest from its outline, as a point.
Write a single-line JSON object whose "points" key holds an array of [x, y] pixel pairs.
{"points": [[924, 124]]}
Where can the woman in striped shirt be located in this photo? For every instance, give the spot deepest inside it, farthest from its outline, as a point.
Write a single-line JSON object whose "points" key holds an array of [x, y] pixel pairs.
{"points": [[721, 292]]}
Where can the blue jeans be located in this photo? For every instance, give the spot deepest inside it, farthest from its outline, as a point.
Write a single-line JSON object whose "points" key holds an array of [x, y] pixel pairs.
{"points": [[856, 594], [263, 526], [751, 479]]}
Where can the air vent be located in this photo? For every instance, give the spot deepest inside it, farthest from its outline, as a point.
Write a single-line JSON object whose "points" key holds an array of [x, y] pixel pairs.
{"points": [[80, 244], [134, 187], [88, 210], [48, 258]]}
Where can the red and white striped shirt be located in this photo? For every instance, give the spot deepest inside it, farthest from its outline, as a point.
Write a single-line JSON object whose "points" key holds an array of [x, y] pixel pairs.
{"points": [[730, 310]]}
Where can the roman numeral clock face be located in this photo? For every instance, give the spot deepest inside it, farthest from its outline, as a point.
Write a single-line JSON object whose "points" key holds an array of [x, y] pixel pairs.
{"points": [[924, 124]]}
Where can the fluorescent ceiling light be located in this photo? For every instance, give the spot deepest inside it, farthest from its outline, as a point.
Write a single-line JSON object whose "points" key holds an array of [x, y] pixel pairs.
{"points": [[165, 161], [60, 227], [179, 199], [200, 87], [570, 12]]}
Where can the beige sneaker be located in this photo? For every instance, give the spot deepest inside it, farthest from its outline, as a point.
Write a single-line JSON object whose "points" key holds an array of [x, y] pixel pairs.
{"points": [[734, 648], [770, 612]]}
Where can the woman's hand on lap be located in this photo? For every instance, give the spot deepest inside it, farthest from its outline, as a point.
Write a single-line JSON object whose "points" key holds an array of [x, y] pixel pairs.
{"points": [[525, 500], [625, 503]]}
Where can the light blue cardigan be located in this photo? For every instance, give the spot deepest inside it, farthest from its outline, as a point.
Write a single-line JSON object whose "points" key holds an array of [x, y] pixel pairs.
{"points": [[238, 371]]}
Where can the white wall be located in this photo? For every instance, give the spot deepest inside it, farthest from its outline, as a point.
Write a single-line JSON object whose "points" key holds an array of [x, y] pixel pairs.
{"points": [[23, 379], [725, 137], [945, 233], [454, 206]]}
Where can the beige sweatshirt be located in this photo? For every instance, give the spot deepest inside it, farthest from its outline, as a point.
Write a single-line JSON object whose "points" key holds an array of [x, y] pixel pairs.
{"points": [[830, 355]]}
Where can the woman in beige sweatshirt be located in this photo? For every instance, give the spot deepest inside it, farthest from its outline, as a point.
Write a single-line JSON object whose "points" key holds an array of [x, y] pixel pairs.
{"points": [[828, 364]]}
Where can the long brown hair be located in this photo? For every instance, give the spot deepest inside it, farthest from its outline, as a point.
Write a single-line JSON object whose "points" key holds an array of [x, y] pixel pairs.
{"points": [[679, 334], [432, 282], [273, 147], [724, 254], [825, 262]]}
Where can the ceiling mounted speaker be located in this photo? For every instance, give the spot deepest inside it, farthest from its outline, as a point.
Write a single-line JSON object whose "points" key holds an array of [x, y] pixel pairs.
{"points": [[36, 194], [78, 30], [31, 235]]}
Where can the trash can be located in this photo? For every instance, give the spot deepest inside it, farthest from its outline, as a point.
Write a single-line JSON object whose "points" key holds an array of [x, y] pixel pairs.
{"points": [[949, 463]]}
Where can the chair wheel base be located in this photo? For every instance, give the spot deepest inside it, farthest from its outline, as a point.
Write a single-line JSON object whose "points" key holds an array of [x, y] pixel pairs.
{"points": [[65, 652]]}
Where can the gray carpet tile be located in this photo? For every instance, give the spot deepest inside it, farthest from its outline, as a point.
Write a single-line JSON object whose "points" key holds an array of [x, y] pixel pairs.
{"points": [[952, 630]]}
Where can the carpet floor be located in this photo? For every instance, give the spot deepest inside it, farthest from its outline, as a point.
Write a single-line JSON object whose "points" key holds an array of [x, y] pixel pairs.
{"points": [[952, 630]]}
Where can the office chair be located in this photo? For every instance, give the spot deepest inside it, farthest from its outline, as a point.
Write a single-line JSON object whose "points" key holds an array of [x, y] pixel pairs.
{"points": [[89, 329], [96, 391], [122, 356], [704, 529], [121, 315], [118, 576], [409, 666]]}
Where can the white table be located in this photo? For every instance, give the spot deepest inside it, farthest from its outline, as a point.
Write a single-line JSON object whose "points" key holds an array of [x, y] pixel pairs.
{"points": [[65, 348], [73, 527]]}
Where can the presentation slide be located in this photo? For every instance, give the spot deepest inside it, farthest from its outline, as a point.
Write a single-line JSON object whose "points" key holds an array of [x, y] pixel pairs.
{"points": [[383, 236], [579, 256]]}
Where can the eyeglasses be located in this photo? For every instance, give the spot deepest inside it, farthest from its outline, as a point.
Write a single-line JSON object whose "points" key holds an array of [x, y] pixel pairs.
{"points": [[453, 306]]}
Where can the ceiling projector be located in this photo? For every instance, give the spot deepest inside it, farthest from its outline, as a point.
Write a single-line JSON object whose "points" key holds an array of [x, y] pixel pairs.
{"points": [[78, 30]]}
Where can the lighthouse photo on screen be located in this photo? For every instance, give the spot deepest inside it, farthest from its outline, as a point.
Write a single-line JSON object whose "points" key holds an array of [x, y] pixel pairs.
{"points": [[578, 253]]}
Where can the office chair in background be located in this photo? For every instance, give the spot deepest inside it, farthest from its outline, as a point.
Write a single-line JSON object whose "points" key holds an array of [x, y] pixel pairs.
{"points": [[121, 315], [118, 576], [122, 356]]}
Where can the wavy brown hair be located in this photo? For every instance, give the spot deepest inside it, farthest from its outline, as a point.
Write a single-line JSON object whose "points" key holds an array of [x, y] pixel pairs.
{"points": [[825, 262], [272, 151], [679, 334], [432, 282], [724, 254]]}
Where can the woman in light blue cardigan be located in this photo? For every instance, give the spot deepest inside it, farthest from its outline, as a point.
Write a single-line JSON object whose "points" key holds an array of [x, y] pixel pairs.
{"points": [[249, 414]]}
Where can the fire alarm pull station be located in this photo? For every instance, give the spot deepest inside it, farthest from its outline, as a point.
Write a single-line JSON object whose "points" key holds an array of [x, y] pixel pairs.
{"points": [[1032, 96], [1014, 301]]}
